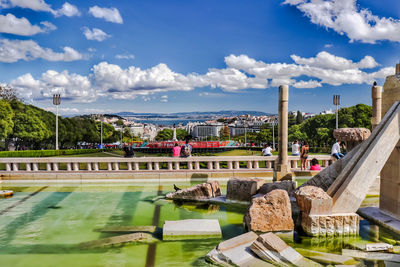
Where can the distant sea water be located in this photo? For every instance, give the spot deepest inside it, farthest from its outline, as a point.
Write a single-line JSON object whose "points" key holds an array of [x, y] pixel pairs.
{"points": [[168, 122]]}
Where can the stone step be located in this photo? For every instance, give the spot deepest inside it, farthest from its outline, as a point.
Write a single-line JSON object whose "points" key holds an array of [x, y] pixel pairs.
{"points": [[327, 258]]}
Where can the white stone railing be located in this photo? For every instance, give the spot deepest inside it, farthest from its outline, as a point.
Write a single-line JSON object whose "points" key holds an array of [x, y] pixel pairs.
{"points": [[150, 163]]}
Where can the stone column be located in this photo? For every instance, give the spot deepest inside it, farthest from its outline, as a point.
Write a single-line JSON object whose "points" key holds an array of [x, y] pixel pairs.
{"points": [[389, 200], [376, 105], [282, 170]]}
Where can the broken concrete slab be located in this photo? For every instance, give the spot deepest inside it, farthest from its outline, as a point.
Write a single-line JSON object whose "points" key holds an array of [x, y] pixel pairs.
{"points": [[117, 240], [327, 258], [371, 255], [271, 248], [242, 189], [236, 251], [369, 246], [128, 229], [271, 212], [313, 200], [207, 190], [191, 229]]}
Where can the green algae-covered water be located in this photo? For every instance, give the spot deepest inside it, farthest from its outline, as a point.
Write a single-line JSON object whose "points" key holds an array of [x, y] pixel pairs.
{"points": [[42, 225]]}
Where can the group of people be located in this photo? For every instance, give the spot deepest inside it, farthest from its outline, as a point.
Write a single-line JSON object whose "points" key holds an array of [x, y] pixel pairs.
{"points": [[303, 152], [182, 151]]}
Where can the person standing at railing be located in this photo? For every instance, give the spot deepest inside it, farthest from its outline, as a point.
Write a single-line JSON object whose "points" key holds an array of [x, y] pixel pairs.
{"points": [[176, 150], [304, 155]]}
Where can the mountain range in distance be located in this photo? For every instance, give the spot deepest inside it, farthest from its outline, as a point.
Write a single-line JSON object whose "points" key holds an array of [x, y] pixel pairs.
{"points": [[195, 114]]}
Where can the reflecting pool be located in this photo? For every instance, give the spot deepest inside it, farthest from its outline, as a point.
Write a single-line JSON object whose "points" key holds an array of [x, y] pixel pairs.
{"points": [[42, 225]]}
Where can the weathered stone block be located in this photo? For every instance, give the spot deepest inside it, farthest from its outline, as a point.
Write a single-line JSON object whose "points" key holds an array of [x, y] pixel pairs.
{"points": [[242, 189], [313, 200], [328, 225], [271, 212], [289, 186], [191, 229], [201, 191]]}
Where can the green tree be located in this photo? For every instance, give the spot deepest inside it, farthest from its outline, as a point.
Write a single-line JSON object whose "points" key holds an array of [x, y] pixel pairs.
{"points": [[164, 135], [299, 117], [6, 119], [295, 133], [264, 136], [291, 119]]}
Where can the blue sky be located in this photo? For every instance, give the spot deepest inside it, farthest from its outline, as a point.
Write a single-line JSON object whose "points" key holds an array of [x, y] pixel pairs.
{"points": [[173, 56]]}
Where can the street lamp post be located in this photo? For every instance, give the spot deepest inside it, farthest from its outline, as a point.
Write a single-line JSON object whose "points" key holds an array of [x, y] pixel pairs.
{"points": [[245, 134], [336, 102], [56, 102], [101, 131]]}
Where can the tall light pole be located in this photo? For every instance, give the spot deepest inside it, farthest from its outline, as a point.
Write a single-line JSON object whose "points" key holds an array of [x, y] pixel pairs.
{"points": [[336, 102], [56, 102], [245, 134], [101, 131]]}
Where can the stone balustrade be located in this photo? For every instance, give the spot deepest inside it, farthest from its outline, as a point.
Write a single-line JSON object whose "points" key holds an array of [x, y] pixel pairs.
{"points": [[105, 164]]}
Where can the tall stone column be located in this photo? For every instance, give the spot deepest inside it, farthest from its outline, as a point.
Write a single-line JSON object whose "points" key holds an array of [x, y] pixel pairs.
{"points": [[282, 171], [389, 200], [376, 105]]}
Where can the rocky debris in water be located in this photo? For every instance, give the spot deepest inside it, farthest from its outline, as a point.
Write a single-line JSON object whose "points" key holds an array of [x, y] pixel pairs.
{"points": [[313, 200], [351, 134], [327, 258], [236, 251], [271, 248], [242, 189], [191, 229], [128, 229], [271, 212], [289, 186], [6, 193], [207, 190], [329, 225], [118, 240], [368, 246], [379, 256]]}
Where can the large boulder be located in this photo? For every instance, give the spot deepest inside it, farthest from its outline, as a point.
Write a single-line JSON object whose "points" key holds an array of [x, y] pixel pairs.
{"points": [[289, 186], [207, 190], [271, 212], [242, 189], [313, 200]]}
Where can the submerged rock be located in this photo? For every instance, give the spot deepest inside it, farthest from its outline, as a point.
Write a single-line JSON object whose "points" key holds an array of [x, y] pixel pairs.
{"points": [[271, 212], [207, 190], [242, 189]]}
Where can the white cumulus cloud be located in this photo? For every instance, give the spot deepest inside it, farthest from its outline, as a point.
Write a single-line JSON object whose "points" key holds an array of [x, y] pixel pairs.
{"points": [[95, 34], [67, 9], [14, 50], [346, 18], [242, 72], [21, 26], [108, 14]]}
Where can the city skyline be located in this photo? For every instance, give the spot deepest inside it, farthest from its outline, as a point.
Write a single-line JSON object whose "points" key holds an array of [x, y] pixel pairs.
{"points": [[169, 56]]}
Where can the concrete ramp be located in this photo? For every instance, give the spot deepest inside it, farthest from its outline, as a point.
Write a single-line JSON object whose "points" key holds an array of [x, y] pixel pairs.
{"points": [[348, 180]]}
